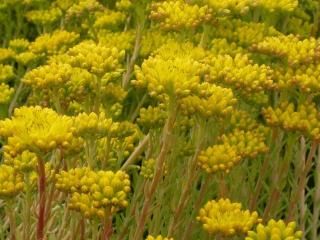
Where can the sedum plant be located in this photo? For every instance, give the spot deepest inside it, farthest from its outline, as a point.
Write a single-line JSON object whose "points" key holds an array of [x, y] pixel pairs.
{"points": [[159, 120]]}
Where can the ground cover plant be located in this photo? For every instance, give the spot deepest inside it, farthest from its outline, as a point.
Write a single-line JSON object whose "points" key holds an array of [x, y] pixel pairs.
{"points": [[159, 119]]}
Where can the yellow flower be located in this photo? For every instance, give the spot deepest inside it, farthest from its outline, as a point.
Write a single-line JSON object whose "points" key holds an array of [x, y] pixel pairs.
{"points": [[247, 143], [109, 19], [152, 117], [147, 168], [25, 162], [240, 73], [221, 157], [44, 17], [173, 77], [6, 54], [215, 101], [19, 45], [275, 230], [304, 118], [36, 129], [225, 218], [177, 14], [291, 48], [6, 93], [93, 124], [11, 182], [6, 73], [93, 193], [82, 8], [54, 43], [96, 58]]}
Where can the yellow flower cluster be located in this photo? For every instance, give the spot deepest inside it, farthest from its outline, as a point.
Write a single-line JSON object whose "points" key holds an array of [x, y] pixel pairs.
{"points": [[159, 237], [96, 58], [226, 218], [49, 76], [177, 49], [228, 6], [220, 46], [152, 40], [6, 93], [82, 8], [6, 73], [291, 48], [11, 182], [221, 157], [93, 124], [36, 129], [247, 143], [241, 32], [240, 72], [6, 54], [304, 118], [147, 168], [27, 58], [152, 117], [307, 78], [54, 43], [25, 162], [282, 5], [44, 17], [109, 19], [173, 77], [123, 40], [19, 45], [124, 5], [217, 101], [93, 193], [177, 14], [275, 230], [241, 119]]}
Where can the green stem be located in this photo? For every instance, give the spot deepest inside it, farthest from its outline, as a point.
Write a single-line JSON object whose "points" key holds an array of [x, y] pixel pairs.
{"points": [[203, 190], [301, 182], [12, 219], [166, 143]]}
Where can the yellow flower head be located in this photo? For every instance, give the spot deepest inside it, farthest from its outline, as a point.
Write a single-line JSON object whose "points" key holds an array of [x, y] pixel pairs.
{"points": [[26, 161], [44, 17], [11, 182], [247, 143], [152, 117], [96, 58], [6, 54], [19, 45], [177, 14], [36, 129], [93, 124], [6, 93], [214, 101], [275, 230], [54, 43], [304, 118], [92, 193], [173, 77], [221, 157], [225, 218], [83, 8], [240, 73], [291, 48], [109, 19], [6, 73]]}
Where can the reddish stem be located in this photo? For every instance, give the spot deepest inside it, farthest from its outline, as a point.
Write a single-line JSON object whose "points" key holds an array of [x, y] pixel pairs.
{"points": [[42, 200], [107, 231]]}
